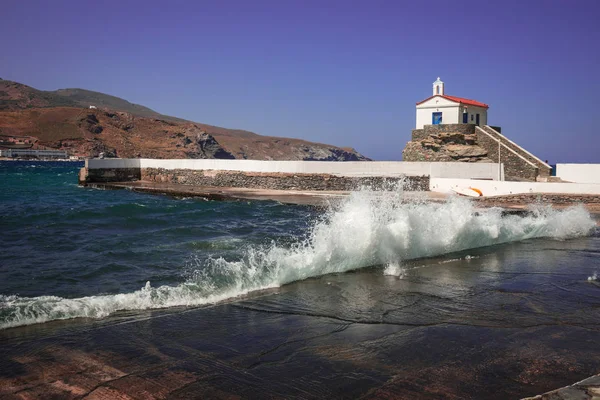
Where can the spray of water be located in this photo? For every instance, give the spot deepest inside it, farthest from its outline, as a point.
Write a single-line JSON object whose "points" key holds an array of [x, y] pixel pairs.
{"points": [[394, 269], [369, 228]]}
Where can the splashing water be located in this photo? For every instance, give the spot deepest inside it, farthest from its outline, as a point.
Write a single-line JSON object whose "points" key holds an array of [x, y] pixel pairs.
{"points": [[394, 269], [369, 228], [593, 278]]}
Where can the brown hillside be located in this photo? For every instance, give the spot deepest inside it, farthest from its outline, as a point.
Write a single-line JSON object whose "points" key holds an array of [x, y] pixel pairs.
{"points": [[62, 119], [87, 132]]}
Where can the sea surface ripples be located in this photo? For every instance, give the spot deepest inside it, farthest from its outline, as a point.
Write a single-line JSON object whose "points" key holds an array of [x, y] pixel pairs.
{"points": [[70, 252]]}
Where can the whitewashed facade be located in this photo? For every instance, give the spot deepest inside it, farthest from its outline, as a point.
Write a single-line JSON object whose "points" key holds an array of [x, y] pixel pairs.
{"points": [[444, 109]]}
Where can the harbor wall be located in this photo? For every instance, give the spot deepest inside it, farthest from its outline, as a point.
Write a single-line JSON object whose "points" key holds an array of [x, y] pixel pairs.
{"points": [[337, 176], [281, 181], [579, 173], [348, 168], [496, 188], [282, 175]]}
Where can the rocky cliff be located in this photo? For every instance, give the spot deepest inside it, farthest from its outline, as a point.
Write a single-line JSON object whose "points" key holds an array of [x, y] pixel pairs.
{"points": [[63, 120], [468, 143], [445, 146]]}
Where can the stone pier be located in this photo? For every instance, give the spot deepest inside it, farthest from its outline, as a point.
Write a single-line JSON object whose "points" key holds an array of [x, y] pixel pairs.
{"points": [[280, 175]]}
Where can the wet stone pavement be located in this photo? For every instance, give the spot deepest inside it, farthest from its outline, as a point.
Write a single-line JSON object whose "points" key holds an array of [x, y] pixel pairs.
{"points": [[504, 322], [587, 389]]}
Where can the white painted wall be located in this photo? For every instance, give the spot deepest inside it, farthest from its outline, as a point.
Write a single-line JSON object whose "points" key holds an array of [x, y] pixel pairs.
{"points": [[496, 188], [473, 111], [346, 168], [449, 110], [452, 112], [580, 173], [449, 115], [98, 163]]}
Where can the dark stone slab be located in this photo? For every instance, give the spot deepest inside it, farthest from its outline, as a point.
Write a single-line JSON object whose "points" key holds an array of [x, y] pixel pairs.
{"points": [[495, 325]]}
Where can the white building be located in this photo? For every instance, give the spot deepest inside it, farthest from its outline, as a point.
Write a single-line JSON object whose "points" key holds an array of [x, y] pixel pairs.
{"points": [[443, 109], [29, 153]]}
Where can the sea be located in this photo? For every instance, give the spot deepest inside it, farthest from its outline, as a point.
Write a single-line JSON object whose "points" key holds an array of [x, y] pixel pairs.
{"points": [[441, 292]]}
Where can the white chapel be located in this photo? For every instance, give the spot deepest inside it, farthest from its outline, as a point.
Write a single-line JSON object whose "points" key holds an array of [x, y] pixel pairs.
{"points": [[441, 108]]}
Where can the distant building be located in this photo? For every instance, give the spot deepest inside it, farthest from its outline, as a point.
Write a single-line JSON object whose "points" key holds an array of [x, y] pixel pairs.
{"points": [[93, 107], [441, 108], [28, 153]]}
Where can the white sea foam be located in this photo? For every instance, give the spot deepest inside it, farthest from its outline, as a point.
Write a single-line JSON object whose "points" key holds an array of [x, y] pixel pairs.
{"points": [[593, 278], [394, 269], [369, 228]]}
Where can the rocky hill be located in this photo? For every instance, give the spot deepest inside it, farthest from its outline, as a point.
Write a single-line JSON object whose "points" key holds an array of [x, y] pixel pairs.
{"points": [[446, 146], [62, 119], [17, 96]]}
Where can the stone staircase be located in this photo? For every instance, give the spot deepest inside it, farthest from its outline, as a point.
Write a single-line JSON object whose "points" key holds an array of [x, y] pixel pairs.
{"points": [[471, 143], [544, 168]]}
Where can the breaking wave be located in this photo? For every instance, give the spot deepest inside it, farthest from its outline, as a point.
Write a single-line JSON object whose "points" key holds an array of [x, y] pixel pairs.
{"points": [[369, 228]]}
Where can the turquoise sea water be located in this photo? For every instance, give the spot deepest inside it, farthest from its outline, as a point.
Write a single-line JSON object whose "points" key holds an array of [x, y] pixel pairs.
{"points": [[375, 297], [71, 252], [59, 239]]}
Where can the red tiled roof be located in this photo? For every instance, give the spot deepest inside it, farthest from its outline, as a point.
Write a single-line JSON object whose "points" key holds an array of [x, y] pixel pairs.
{"points": [[458, 100]]}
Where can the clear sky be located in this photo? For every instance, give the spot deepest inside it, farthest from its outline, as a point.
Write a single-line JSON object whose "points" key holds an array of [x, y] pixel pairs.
{"points": [[341, 72]]}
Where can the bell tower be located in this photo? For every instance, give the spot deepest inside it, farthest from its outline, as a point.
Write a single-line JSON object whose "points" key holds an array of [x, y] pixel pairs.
{"points": [[438, 87]]}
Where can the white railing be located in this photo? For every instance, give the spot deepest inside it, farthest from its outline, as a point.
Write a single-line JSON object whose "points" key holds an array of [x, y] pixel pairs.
{"points": [[517, 146], [506, 147]]}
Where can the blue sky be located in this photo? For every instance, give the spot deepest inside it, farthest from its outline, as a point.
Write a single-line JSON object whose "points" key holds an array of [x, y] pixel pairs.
{"points": [[341, 72]]}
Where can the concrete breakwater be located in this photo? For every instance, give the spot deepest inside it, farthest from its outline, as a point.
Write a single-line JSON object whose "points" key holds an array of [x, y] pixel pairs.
{"points": [[251, 180], [280, 175], [312, 182]]}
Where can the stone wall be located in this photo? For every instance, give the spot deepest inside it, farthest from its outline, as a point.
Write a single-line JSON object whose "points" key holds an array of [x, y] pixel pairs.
{"points": [[515, 167], [464, 129], [428, 130], [279, 181], [543, 198], [445, 143], [543, 170], [347, 168], [470, 143]]}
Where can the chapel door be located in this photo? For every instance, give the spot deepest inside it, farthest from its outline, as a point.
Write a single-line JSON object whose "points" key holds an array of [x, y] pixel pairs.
{"points": [[436, 118]]}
